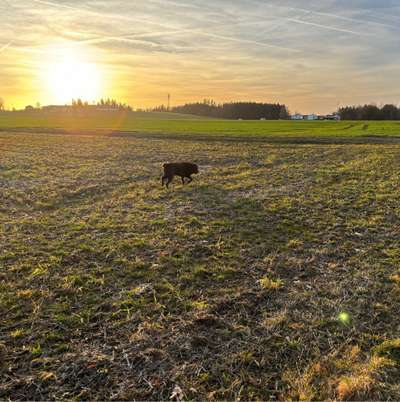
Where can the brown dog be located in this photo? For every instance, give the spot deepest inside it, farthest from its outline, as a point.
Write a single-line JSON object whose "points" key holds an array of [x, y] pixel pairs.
{"points": [[182, 169]]}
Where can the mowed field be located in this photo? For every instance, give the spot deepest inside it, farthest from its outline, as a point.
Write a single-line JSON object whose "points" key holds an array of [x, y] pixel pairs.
{"points": [[274, 275], [186, 125]]}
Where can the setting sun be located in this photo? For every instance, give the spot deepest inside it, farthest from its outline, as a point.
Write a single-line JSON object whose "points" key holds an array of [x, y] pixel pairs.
{"points": [[71, 76]]}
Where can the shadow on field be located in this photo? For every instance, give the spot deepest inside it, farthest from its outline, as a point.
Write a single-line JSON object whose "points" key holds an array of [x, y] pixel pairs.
{"points": [[242, 289]]}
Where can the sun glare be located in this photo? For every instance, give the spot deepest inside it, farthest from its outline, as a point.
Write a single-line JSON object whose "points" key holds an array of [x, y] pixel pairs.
{"points": [[70, 76]]}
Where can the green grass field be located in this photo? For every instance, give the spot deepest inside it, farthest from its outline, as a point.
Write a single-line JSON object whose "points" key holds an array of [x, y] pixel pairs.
{"points": [[275, 275], [169, 123]]}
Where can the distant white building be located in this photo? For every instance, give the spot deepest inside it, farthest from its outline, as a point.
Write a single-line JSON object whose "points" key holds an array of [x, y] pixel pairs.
{"points": [[308, 117], [297, 116]]}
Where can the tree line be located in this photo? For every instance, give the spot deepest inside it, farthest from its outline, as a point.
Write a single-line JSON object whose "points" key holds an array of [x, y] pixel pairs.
{"points": [[370, 112], [234, 110], [101, 104], [79, 104]]}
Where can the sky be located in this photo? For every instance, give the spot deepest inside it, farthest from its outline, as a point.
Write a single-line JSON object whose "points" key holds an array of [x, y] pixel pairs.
{"points": [[310, 55]]}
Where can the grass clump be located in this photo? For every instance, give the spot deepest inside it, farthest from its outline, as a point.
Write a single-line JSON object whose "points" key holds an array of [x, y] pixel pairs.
{"points": [[389, 349], [270, 284]]}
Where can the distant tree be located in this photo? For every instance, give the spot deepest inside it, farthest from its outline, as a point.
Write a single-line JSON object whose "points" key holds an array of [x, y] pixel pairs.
{"points": [[1, 104], [369, 112], [284, 113], [234, 110], [390, 112], [160, 108], [111, 104]]}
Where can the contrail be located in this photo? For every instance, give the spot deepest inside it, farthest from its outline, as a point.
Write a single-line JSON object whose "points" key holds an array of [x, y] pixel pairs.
{"points": [[255, 42], [326, 14], [328, 27], [228, 38], [6, 46], [131, 37], [102, 15], [165, 26], [343, 18], [123, 39], [320, 13], [177, 4], [135, 38], [300, 20]]}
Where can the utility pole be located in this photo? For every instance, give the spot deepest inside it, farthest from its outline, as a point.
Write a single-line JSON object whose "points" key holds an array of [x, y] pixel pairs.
{"points": [[169, 102]]}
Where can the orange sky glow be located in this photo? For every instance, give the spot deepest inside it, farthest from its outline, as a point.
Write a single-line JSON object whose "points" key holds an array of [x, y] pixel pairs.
{"points": [[309, 56]]}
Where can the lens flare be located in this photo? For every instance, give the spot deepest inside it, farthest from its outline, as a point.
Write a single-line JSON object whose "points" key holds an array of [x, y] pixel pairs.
{"points": [[344, 318]]}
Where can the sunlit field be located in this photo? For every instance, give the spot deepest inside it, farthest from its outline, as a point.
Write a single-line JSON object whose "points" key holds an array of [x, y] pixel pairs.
{"points": [[170, 123], [274, 275]]}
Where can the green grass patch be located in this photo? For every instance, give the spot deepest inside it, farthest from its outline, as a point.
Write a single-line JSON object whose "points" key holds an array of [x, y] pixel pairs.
{"points": [[177, 124]]}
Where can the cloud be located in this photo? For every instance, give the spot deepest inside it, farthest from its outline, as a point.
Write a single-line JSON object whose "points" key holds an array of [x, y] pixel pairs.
{"points": [[168, 32], [288, 50]]}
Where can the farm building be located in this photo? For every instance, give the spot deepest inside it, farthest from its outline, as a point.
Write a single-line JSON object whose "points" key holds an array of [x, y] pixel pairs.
{"points": [[313, 117], [297, 116]]}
